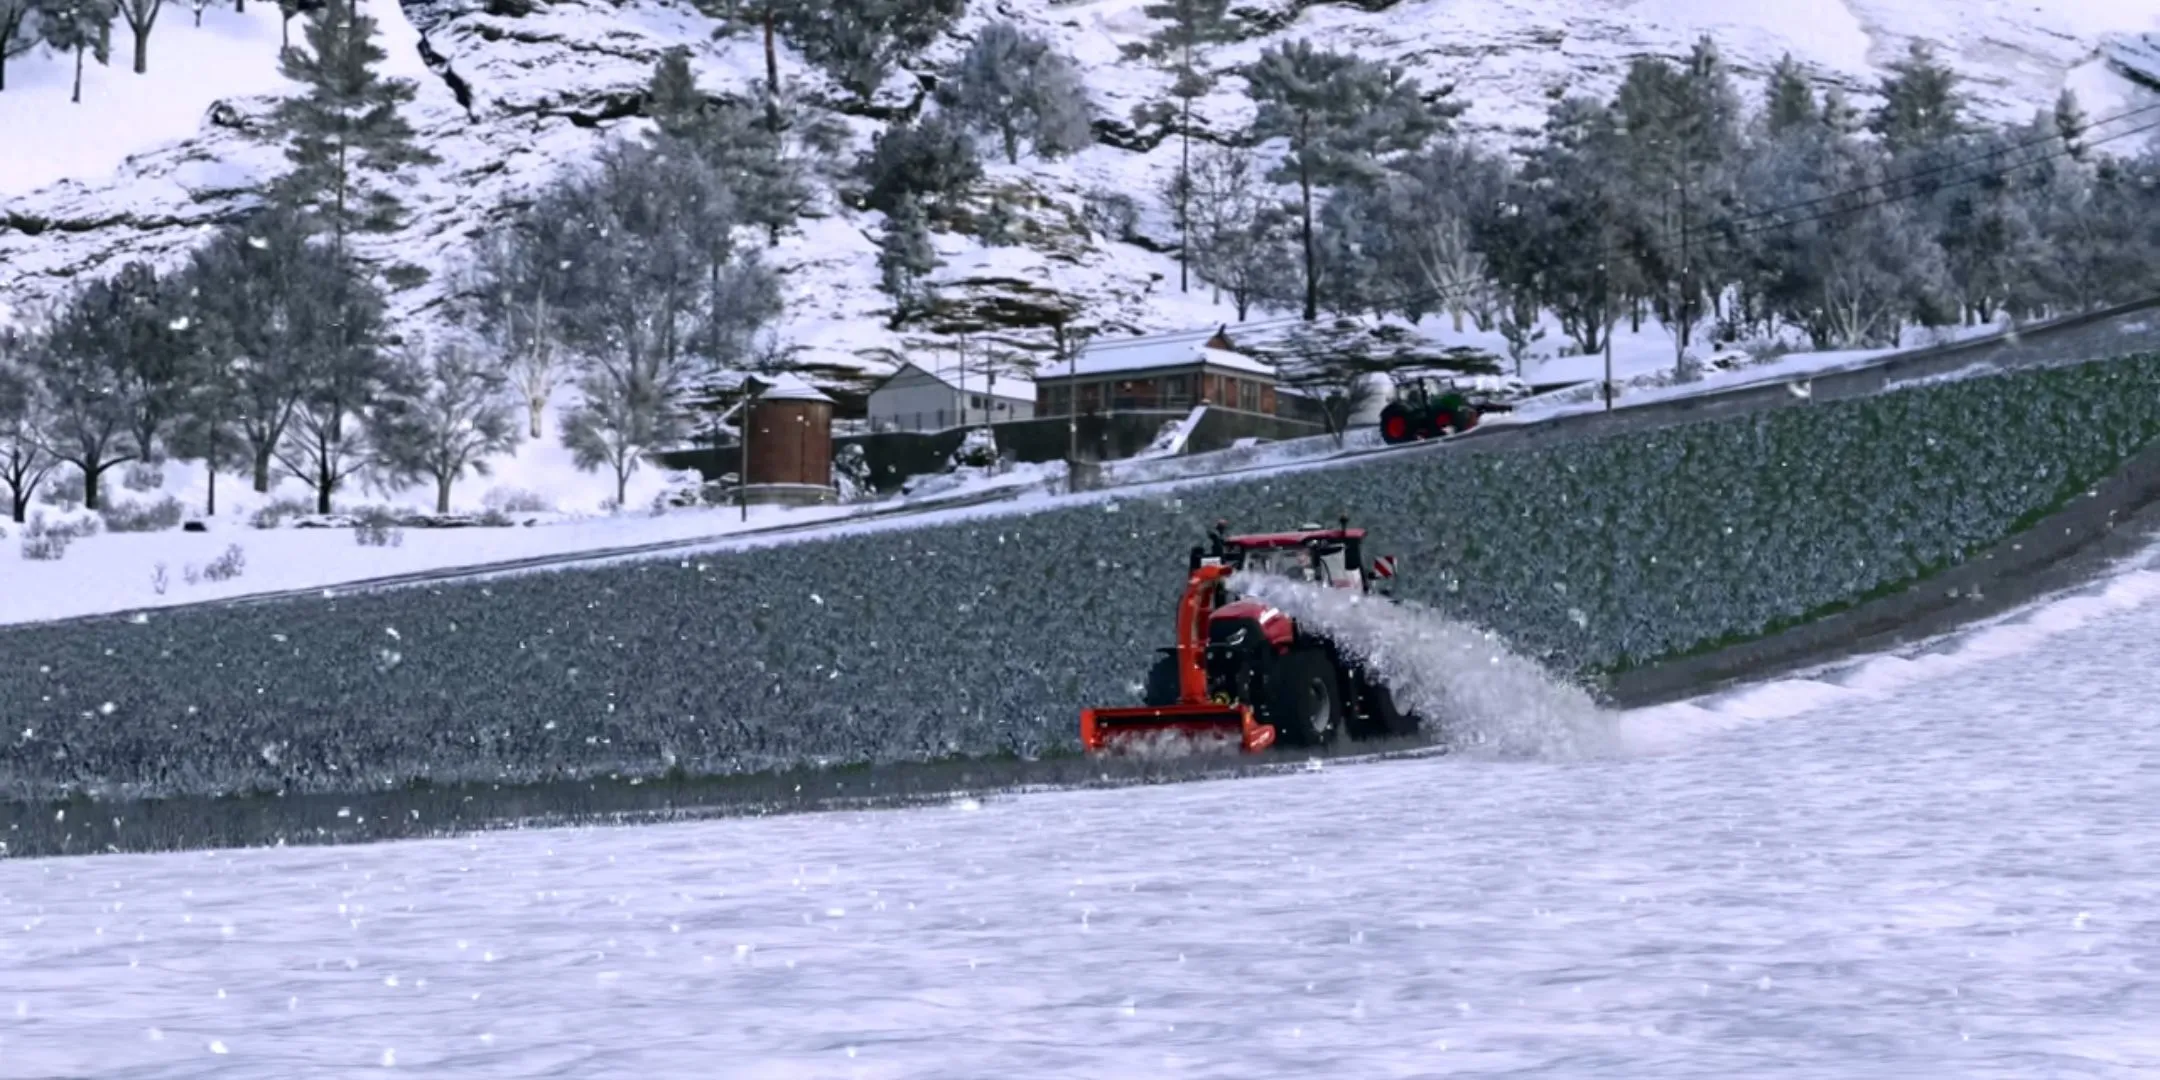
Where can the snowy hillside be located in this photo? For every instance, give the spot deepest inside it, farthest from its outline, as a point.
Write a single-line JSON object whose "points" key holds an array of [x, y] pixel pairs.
{"points": [[509, 93]]}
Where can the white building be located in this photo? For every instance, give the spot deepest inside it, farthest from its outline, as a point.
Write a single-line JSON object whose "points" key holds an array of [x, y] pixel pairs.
{"points": [[919, 398]]}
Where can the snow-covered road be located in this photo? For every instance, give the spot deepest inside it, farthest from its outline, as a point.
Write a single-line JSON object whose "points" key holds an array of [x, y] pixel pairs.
{"points": [[1942, 866]]}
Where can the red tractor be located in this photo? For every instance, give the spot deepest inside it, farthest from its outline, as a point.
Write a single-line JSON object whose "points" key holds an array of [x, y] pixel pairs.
{"points": [[1244, 671]]}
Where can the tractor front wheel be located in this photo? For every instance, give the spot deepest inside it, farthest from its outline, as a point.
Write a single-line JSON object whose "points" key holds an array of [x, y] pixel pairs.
{"points": [[1306, 700], [1162, 682]]}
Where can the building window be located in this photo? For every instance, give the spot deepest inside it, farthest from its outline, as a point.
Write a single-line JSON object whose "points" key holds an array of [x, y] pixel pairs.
{"points": [[975, 401]]}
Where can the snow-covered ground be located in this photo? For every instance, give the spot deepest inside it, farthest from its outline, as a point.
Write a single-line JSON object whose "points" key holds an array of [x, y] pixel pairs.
{"points": [[1938, 864]]}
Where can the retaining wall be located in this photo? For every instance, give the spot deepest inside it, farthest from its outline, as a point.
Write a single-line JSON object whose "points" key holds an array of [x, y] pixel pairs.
{"points": [[986, 636]]}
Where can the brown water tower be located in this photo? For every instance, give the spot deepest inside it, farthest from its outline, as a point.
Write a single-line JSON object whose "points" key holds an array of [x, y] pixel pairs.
{"points": [[787, 447]]}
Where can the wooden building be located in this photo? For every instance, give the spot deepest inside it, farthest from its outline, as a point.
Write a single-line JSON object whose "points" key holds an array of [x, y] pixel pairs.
{"points": [[1112, 377]]}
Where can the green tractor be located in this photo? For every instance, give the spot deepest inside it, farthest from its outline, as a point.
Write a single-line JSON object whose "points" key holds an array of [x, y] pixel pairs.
{"points": [[1424, 410]]}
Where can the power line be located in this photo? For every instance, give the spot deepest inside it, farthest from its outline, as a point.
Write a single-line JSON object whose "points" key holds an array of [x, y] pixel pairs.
{"points": [[1711, 229]]}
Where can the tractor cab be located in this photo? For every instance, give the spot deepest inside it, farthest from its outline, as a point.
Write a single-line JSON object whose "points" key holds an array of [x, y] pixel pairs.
{"points": [[1333, 557]]}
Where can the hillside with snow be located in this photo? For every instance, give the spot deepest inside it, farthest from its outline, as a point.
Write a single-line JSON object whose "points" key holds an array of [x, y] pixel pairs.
{"points": [[509, 94]]}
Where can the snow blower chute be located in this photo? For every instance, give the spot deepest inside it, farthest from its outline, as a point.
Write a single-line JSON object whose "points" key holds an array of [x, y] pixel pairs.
{"points": [[1194, 716]]}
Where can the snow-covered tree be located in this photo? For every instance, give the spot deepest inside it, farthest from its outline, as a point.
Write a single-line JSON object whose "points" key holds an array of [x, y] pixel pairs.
{"points": [[517, 288], [448, 416], [348, 374], [764, 155], [1422, 232], [860, 42], [143, 314], [90, 396], [141, 16], [1243, 242], [1570, 223], [1342, 117], [1789, 99], [906, 259], [1922, 105], [19, 33], [76, 26], [1021, 88], [932, 161], [23, 460], [256, 294], [1680, 136], [638, 265]]}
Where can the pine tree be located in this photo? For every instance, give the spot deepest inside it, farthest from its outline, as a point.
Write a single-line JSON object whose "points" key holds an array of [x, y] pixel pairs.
{"points": [[2071, 123], [1790, 100], [1682, 140], [345, 127], [672, 98], [906, 258], [75, 26], [1188, 26], [1342, 117], [1922, 106]]}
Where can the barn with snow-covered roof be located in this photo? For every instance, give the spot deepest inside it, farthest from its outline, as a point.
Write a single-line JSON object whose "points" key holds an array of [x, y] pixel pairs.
{"points": [[1124, 376]]}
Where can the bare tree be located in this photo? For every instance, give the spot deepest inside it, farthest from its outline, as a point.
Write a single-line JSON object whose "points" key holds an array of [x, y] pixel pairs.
{"points": [[448, 420], [1239, 233], [18, 32], [23, 460], [518, 281], [141, 15]]}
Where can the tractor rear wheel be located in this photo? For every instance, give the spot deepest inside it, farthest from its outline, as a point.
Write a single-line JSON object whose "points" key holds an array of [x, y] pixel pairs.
{"points": [[1395, 425], [1305, 700], [1387, 720]]}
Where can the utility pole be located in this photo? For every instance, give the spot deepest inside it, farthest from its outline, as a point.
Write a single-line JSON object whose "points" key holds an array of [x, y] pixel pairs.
{"points": [[1687, 290], [1605, 325], [742, 483]]}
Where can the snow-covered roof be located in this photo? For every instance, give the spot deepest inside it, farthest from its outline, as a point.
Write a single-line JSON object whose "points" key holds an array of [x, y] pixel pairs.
{"points": [[1011, 386], [788, 386], [1116, 357]]}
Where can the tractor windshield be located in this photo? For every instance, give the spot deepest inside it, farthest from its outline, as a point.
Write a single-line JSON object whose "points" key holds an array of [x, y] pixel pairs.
{"points": [[1291, 563], [1326, 565]]}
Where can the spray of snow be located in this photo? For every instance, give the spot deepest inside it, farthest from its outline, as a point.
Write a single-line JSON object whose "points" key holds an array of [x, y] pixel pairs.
{"points": [[1481, 696]]}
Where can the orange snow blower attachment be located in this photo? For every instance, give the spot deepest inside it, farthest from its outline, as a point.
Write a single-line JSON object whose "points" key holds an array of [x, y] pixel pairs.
{"points": [[1195, 717]]}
